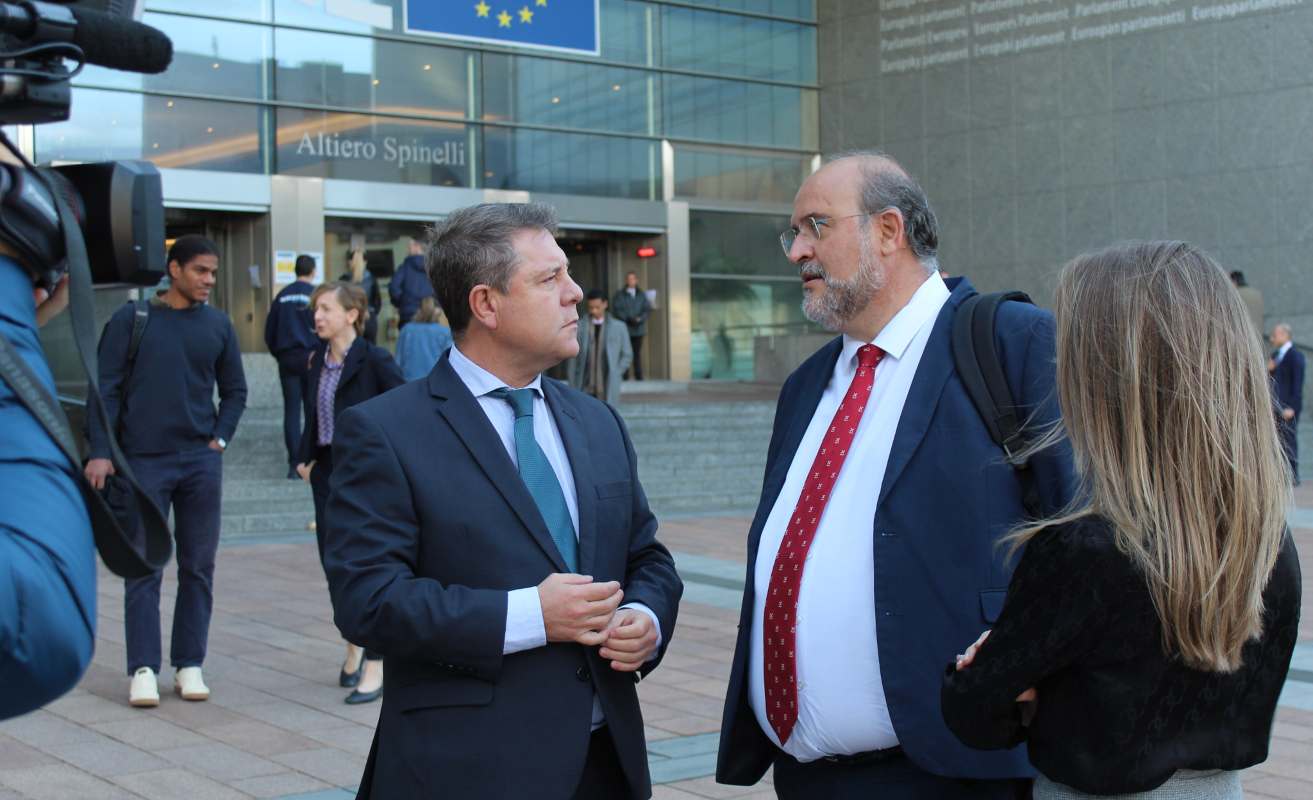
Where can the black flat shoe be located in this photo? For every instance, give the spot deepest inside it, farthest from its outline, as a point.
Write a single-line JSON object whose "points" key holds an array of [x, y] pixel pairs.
{"points": [[349, 679], [357, 697]]}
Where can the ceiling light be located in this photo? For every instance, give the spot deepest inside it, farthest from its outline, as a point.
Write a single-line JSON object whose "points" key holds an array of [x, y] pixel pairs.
{"points": [[376, 81], [428, 67], [215, 65], [615, 87], [556, 100], [209, 130]]}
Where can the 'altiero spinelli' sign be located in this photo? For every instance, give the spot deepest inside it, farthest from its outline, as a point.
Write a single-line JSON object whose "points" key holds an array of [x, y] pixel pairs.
{"points": [[569, 25]]}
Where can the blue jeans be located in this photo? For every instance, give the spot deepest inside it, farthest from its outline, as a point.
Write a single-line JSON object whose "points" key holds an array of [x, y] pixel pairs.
{"points": [[192, 483]]}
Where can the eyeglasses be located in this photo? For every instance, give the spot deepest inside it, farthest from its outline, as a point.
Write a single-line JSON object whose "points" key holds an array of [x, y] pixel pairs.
{"points": [[812, 228]]}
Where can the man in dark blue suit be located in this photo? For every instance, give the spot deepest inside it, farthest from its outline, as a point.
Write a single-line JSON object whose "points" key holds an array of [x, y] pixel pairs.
{"points": [[491, 521], [872, 558], [1287, 368]]}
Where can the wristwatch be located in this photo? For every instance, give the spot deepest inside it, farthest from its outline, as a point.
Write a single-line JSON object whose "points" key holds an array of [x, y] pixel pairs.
{"points": [[223, 443]]}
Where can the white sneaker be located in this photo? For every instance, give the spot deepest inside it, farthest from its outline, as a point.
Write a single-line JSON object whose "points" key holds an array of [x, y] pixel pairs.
{"points": [[145, 691], [188, 683]]}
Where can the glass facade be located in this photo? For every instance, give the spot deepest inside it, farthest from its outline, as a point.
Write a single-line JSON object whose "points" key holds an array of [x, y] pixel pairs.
{"points": [[337, 89]]}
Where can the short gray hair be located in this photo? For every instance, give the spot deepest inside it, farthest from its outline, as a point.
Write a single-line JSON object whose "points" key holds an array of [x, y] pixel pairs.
{"points": [[1285, 326], [885, 184], [472, 247]]}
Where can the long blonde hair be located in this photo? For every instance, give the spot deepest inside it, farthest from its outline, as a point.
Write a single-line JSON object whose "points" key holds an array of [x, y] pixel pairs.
{"points": [[1166, 403]]}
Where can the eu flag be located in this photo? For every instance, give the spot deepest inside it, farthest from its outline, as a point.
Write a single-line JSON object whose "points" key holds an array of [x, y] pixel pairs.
{"points": [[569, 25]]}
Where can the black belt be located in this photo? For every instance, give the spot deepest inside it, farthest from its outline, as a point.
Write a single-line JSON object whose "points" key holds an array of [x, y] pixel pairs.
{"points": [[869, 757]]}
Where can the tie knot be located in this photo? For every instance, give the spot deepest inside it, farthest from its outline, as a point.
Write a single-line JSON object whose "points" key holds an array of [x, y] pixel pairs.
{"points": [[868, 355], [520, 399]]}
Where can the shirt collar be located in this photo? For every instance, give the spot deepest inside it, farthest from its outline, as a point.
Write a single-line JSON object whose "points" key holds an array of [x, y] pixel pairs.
{"points": [[920, 311], [479, 380], [1281, 351]]}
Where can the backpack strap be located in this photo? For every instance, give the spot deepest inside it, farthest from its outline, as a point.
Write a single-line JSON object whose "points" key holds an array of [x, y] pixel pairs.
{"points": [[975, 354], [140, 318]]}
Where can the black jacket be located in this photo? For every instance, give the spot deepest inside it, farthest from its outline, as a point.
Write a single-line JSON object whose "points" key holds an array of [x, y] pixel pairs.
{"points": [[367, 372], [289, 330], [1115, 715]]}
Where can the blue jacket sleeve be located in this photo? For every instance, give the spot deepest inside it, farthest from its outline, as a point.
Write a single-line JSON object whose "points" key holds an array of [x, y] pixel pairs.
{"points": [[47, 554], [112, 358], [232, 387], [1297, 375]]}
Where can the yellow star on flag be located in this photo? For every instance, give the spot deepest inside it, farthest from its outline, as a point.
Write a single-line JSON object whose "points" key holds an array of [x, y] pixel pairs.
{"points": [[526, 16], [503, 20], [542, 3], [482, 9]]}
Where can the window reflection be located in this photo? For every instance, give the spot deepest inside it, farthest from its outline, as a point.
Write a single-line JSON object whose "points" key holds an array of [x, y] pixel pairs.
{"points": [[725, 44], [540, 161], [356, 72], [568, 94], [732, 111], [723, 174], [253, 10], [171, 132]]}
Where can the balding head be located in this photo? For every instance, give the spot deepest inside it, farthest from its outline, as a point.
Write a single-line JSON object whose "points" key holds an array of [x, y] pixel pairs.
{"points": [[880, 182]]}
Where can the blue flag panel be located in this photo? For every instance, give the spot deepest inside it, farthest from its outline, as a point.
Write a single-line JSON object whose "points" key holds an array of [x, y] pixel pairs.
{"points": [[569, 25]]}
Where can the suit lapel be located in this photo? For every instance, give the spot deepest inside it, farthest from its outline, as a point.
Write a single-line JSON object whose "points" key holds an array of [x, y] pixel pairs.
{"points": [[462, 412], [923, 397], [576, 449], [355, 359]]}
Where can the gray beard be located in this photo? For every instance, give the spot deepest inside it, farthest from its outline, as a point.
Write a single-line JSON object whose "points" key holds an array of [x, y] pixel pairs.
{"points": [[844, 299]]}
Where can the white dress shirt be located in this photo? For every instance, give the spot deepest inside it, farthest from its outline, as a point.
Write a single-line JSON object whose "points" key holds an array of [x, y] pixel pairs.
{"points": [[525, 628], [1281, 352], [841, 701]]}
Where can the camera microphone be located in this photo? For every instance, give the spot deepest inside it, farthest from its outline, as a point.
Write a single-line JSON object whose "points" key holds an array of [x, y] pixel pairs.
{"points": [[107, 40]]}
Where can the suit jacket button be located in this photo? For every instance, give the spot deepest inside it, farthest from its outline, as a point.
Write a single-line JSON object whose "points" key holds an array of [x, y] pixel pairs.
{"points": [[583, 675]]}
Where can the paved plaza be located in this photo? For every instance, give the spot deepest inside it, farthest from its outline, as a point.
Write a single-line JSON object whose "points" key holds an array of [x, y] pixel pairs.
{"points": [[276, 726]]}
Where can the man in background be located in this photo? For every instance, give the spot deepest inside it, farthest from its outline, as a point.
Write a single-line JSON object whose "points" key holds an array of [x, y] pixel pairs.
{"points": [[631, 306], [174, 438], [410, 284], [1287, 367], [289, 334], [604, 352]]}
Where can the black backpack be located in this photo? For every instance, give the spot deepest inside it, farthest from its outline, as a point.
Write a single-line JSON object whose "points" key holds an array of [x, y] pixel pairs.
{"points": [[981, 372]]}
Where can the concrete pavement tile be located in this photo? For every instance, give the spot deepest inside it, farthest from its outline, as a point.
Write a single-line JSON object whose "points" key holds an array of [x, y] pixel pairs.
{"points": [[174, 784], [1289, 730], [292, 716], [5, 794], [351, 738], [260, 738], [671, 793], [59, 782], [106, 758], [16, 755], [283, 784], [235, 697], [195, 716], [656, 734], [89, 708], [148, 733], [221, 762], [41, 728], [688, 725], [328, 764], [684, 746], [1283, 788], [707, 787]]}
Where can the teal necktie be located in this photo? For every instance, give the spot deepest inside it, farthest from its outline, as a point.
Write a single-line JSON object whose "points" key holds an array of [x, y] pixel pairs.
{"points": [[539, 478]]}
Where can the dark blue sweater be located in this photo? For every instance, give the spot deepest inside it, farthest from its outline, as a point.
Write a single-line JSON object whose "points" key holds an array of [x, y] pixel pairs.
{"points": [[289, 329], [167, 404], [409, 286]]}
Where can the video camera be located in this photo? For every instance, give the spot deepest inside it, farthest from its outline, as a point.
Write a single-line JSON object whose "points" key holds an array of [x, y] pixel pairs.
{"points": [[48, 214], [118, 204]]}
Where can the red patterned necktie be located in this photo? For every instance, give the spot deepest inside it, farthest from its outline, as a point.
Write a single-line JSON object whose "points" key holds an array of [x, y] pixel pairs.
{"points": [[781, 611]]}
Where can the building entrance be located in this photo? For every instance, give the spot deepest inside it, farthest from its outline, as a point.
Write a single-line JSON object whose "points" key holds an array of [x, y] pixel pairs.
{"points": [[243, 287]]}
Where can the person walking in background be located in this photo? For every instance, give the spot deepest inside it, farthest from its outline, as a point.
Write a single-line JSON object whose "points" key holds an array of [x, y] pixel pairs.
{"points": [[361, 275], [345, 369], [1287, 368], [423, 342], [410, 284], [1147, 631], [491, 521], [161, 400], [859, 575], [1253, 300], [289, 334], [631, 306], [604, 352]]}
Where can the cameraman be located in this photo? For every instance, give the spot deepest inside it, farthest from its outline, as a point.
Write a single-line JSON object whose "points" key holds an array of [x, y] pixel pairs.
{"points": [[47, 555]]}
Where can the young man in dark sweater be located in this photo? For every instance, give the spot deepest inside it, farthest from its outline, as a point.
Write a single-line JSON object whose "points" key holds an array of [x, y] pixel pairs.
{"points": [[289, 333], [174, 441], [411, 284]]}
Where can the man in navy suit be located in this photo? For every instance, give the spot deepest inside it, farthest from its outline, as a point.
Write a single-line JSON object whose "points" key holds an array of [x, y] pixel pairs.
{"points": [[491, 522], [872, 558], [1287, 368]]}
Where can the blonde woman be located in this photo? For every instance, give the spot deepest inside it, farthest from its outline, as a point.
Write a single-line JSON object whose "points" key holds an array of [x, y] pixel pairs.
{"points": [[1148, 631], [423, 341], [344, 370]]}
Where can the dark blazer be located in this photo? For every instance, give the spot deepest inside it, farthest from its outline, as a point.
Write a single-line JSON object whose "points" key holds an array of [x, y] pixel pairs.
{"points": [[442, 527], [1116, 715], [1288, 379], [367, 372], [940, 580]]}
